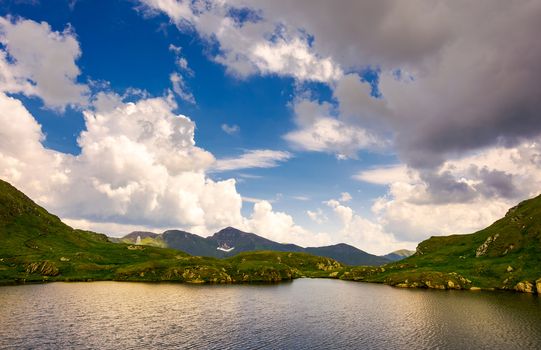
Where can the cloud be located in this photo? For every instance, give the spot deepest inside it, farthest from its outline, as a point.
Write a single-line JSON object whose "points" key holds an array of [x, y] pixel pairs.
{"points": [[345, 197], [462, 196], [250, 45], [260, 158], [249, 176], [38, 61], [451, 80], [385, 175], [317, 130], [231, 129], [280, 227], [112, 229], [23, 159], [180, 88], [366, 234], [255, 200], [180, 61], [317, 216], [385, 33], [138, 165]]}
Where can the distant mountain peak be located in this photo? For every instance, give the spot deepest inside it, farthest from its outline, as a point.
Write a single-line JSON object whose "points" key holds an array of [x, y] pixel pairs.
{"points": [[231, 241], [399, 254], [229, 230]]}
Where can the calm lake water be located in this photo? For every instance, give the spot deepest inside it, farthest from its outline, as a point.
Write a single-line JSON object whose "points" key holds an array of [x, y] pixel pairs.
{"points": [[306, 313]]}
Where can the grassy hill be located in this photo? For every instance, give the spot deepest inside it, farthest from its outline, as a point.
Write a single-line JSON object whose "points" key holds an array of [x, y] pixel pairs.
{"points": [[36, 246], [506, 255]]}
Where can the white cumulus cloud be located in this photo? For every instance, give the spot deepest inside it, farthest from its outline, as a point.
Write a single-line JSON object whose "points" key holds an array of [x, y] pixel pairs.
{"points": [[38, 61], [252, 46], [318, 130]]}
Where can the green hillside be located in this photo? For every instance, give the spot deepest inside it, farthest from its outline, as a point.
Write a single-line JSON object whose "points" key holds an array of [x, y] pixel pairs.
{"points": [[36, 246], [506, 255]]}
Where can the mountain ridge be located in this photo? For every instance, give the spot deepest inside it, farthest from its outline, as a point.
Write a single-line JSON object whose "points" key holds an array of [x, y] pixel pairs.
{"points": [[231, 241]]}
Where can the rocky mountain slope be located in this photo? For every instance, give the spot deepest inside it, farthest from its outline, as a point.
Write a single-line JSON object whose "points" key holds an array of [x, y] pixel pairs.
{"points": [[231, 241], [506, 255]]}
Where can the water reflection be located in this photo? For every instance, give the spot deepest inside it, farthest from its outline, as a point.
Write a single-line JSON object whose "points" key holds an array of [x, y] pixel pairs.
{"points": [[304, 314]]}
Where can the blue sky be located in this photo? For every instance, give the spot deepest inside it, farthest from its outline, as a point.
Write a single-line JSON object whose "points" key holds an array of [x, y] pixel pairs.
{"points": [[366, 150]]}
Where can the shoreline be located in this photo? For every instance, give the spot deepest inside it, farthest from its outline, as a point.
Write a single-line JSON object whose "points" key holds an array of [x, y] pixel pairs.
{"points": [[208, 283]]}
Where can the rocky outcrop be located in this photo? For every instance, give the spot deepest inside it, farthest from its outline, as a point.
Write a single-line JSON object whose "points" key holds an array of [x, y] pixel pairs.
{"points": [[483, 248], [45, 268], [525, 287], [432, 280], [329, 265]]}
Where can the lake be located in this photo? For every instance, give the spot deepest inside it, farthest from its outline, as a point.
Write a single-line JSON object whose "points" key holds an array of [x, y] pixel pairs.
{"points": [[303, 314]]}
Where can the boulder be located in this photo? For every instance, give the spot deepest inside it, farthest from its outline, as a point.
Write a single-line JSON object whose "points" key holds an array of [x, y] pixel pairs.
{"points": [[524, 287], [538, 286]]}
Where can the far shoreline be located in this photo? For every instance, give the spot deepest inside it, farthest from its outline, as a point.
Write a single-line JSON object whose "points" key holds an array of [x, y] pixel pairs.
{"points": [[257, 283]]}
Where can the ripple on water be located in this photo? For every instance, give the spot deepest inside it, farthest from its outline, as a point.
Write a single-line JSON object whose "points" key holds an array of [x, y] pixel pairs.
{"points": [[304, 314]]}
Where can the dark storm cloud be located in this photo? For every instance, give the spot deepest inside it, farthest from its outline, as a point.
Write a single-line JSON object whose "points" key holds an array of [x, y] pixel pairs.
{"points": [[495, 183], [444, 187], [475, 67]]}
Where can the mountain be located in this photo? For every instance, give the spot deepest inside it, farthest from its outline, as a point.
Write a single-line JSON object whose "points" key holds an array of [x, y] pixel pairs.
{"points": [[505, 255], [348, 255], [240, 241], [193, 244], [398, 254], [231, 241], [37, 246]]}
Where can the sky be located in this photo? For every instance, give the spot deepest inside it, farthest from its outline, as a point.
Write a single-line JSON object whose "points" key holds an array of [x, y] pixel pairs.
{"points": [[377, 124]]}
